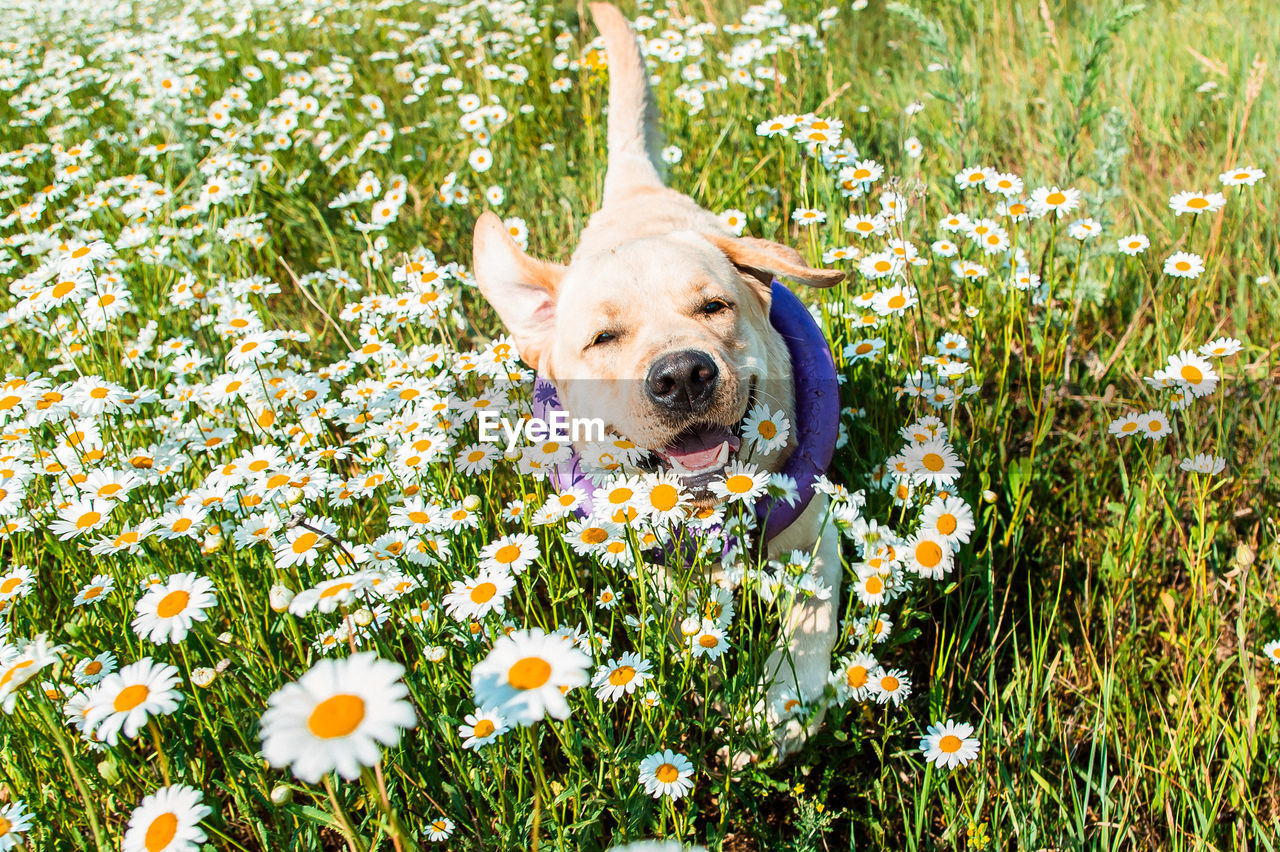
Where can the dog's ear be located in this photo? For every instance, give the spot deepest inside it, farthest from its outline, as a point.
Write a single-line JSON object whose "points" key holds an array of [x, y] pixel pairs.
{"points": [[765, 259], [522, 289]]}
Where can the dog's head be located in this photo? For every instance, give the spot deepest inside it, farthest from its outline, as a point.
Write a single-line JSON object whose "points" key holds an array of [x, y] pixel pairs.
{"points": [[665, 338]]}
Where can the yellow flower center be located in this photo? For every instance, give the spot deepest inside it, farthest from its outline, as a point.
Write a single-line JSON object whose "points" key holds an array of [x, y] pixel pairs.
{"points": [[928, 553], [304, 542], [507, 554], [622, 675], [856, 676], [483, 729], [1055, 198], [946, 524], [529, 673], [161, 832], [172, 604], [483, 593], [932, 462], [337, 716], [740, 483], [664, 497], [130, 697], [950, 743], [666, 773], [88, 519]]}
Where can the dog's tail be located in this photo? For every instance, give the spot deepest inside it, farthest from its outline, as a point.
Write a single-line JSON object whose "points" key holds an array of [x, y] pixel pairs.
{"points": [[633, 124]]}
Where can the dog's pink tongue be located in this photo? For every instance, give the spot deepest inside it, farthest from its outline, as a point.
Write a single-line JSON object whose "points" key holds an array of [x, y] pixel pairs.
{"points": [[700, 448]]}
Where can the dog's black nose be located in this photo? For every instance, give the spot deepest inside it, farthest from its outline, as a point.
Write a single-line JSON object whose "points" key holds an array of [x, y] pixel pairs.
{"points": [[683, 381]]}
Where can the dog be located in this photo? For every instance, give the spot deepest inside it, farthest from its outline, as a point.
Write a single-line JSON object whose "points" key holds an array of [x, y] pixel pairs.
{"points": [[659, 324]]}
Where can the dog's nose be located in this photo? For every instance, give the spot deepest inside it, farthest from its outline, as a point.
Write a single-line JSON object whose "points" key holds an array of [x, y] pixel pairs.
{"points": [[683, 381]]}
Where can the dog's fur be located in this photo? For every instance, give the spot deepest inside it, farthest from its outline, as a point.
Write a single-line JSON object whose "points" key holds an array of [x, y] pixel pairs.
{"points": [[648, 269]]}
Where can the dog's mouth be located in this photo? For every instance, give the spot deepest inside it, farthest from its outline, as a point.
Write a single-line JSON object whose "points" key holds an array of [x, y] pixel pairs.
{"points": [[700, 450], [699, 453]]}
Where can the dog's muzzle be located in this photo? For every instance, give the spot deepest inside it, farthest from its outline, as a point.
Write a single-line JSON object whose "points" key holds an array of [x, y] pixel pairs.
{"points": [[683, 382]]}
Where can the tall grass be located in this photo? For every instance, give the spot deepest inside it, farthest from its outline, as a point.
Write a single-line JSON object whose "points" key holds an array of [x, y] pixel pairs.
{"points": [[1104, 628]]}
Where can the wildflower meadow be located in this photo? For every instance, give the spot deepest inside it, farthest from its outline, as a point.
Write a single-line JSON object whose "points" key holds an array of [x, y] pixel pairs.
{"points": [[266, 582]]}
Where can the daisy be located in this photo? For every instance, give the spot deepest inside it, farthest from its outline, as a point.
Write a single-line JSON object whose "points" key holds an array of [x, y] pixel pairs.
{"points": [[666, 773], [91, 670], [1220, 347], [741, 482], [1193, 371], [16, 583], [1204, 463], [15, 821], [1155, 424], [335, 717], [734, 220], [304, 543], [808, 216], [481, 728], [514, 553], [124, 701], [933, 463], [526, 674], [864, 350], [853, 679], [1197, 202], [950, 517], [766, 430], [1241, 177], [1272, 651], [168, 821], [890, 686], [709, 640], [439, 829], [973, 176], [1045, 200], [330, 594], [617, 497], [949, 744], [1126, 426], [476, 597], [929, 554], [620, 677], [894, 299], [663, 497], [1133, 244], [1184, 264], [870, 587], [167, 611], [19, 663], [80, 517], [865, 226]]}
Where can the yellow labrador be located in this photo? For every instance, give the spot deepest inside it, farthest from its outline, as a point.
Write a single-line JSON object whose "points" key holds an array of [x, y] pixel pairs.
{"points": [[659, 324]]}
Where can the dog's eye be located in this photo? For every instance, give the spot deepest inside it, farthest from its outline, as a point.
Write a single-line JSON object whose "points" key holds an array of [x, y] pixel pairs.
{"points": [[715, 306], [603, 337]]}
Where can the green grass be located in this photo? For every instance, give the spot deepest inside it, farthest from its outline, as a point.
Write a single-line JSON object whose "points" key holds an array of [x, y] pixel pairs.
{"points": [[1103, 631]]}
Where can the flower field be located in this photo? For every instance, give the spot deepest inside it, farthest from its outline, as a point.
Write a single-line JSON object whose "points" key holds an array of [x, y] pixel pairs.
{"points": [[265, 584]]}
